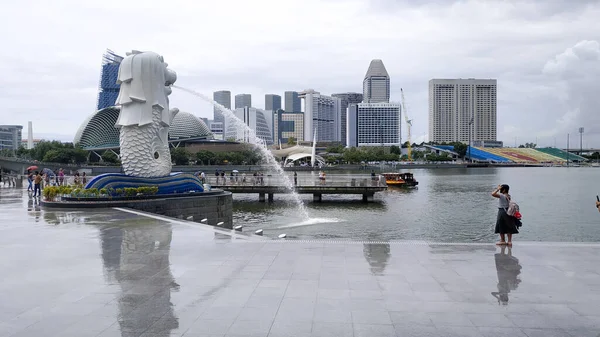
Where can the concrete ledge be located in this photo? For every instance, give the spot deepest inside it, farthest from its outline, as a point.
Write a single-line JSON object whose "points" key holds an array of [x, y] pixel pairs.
{"points": [[216, 206], [103, 202]]}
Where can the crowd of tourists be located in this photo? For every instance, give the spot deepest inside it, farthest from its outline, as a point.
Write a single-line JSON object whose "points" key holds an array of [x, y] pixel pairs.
{"points": [[234, 178]]}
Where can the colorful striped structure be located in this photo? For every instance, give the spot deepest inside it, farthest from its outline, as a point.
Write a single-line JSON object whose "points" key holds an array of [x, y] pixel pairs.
{"points": [[561, 154], [479, 154], [174, 183], [517, 155], [513, 154]]}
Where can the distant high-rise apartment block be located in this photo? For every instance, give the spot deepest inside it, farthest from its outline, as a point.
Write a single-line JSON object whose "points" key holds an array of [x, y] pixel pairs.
{"points": [[323, 114], [376, 84], [10, 137], [222, 97], [462, 109], [292, 102], [108, 88], [243, 100], [272, 102], [346, 99], [373, 124], [288, 125]]}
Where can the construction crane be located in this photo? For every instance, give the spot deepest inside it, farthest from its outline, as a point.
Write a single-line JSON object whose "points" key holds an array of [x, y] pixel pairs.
{"points": [[408, 125]]}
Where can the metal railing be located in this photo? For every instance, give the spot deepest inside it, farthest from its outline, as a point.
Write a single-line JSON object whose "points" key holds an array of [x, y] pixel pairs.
{"points": [[333, 180]]}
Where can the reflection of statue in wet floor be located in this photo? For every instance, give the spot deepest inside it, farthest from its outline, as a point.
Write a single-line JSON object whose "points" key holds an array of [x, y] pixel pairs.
{"points": [[377, 254], [138, 258], [54, 217], [508, 269]]}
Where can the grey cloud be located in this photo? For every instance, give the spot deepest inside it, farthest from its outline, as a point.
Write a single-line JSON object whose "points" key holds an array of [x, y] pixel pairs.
{"points": [[577, 70], [51, 75]]}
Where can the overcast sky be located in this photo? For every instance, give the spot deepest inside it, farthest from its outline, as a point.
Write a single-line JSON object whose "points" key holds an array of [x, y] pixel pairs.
{"points": [[544, 54]]}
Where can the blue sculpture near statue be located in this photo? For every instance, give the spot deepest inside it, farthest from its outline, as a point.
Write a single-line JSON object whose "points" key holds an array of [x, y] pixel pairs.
{"points": [[174, 183], [143, 124]]}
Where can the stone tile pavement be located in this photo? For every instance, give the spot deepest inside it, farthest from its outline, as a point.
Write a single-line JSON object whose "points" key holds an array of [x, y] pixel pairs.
{"points": [[113, 273]]}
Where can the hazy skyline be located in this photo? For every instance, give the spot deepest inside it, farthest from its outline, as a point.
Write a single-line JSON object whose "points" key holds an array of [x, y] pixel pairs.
{"points": [[545, 55]]}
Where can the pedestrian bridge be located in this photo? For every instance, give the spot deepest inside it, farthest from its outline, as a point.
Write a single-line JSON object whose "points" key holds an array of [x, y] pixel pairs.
{"points": [[269, 186]]}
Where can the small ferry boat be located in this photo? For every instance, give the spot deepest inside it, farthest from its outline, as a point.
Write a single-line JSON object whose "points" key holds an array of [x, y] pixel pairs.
{"points": [[400, 179]]}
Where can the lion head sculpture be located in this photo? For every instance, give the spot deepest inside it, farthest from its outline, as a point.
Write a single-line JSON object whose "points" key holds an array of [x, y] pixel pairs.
{"points": [[145, 80]]}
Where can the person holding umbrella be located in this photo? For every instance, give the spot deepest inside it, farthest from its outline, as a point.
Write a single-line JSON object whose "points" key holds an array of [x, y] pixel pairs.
{"points": [[30, 177]]}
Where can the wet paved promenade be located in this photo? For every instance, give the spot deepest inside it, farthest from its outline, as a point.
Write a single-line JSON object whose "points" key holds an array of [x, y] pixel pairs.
{"points": [[113, 273]]}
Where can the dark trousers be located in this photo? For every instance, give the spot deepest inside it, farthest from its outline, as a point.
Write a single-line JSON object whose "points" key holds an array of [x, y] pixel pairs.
{"points": [[36, 190]]}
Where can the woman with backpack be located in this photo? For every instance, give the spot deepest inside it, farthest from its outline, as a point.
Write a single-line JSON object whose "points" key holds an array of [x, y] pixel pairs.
{"points": [[506, 225]]}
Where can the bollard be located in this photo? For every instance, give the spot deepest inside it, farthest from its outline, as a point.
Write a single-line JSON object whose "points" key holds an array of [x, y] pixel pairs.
{"points": [[204, 220], [282, 236], [18, 181], [238, 228], [259, 232], [220, 224], [191, 217]]}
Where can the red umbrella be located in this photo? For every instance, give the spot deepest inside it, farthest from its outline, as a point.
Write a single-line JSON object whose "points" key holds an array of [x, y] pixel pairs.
{"points": [[33, 167]]}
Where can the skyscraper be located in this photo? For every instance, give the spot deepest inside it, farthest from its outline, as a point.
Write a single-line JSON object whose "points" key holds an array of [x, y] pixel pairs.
{"points": [[292, 102], [373, 124], [222, 97], [376, 84], [109, 89], [256, 120], [288, 124], [462, 109], [322, 114], [243, 100], [272, 102], [346, 99], [11, 136]]}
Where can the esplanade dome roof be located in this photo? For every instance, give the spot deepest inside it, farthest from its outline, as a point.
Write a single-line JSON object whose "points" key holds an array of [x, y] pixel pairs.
{"points": [[186, 125], [98, 131]]}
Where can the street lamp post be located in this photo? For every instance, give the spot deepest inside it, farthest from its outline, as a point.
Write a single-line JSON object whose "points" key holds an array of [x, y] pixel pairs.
{"points": [[581, 141], [568, 137], [469, 146]]}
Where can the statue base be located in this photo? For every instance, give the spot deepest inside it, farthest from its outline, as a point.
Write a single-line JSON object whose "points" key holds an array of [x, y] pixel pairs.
{"points": [[174, 183]]}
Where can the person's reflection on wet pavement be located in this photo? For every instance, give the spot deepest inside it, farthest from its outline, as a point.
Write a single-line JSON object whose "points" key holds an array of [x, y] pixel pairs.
{"points": [[508, 269], [377, 255]]}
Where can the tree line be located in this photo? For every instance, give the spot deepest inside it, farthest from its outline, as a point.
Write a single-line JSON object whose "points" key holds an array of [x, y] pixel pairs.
{"points": [[354, 155], [180, 156], [51, 152]]}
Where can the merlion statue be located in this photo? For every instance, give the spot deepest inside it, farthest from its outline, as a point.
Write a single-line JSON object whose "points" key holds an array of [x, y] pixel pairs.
{"points": [[144, 121], [145, 117]]}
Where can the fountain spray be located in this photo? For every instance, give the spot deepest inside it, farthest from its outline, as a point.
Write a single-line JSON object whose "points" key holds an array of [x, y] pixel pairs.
{"points": [[259, 144]]}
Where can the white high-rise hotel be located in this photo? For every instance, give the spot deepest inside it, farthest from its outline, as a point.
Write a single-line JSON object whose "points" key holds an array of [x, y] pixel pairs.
{"points": [[456, 104], [376, 121]]}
